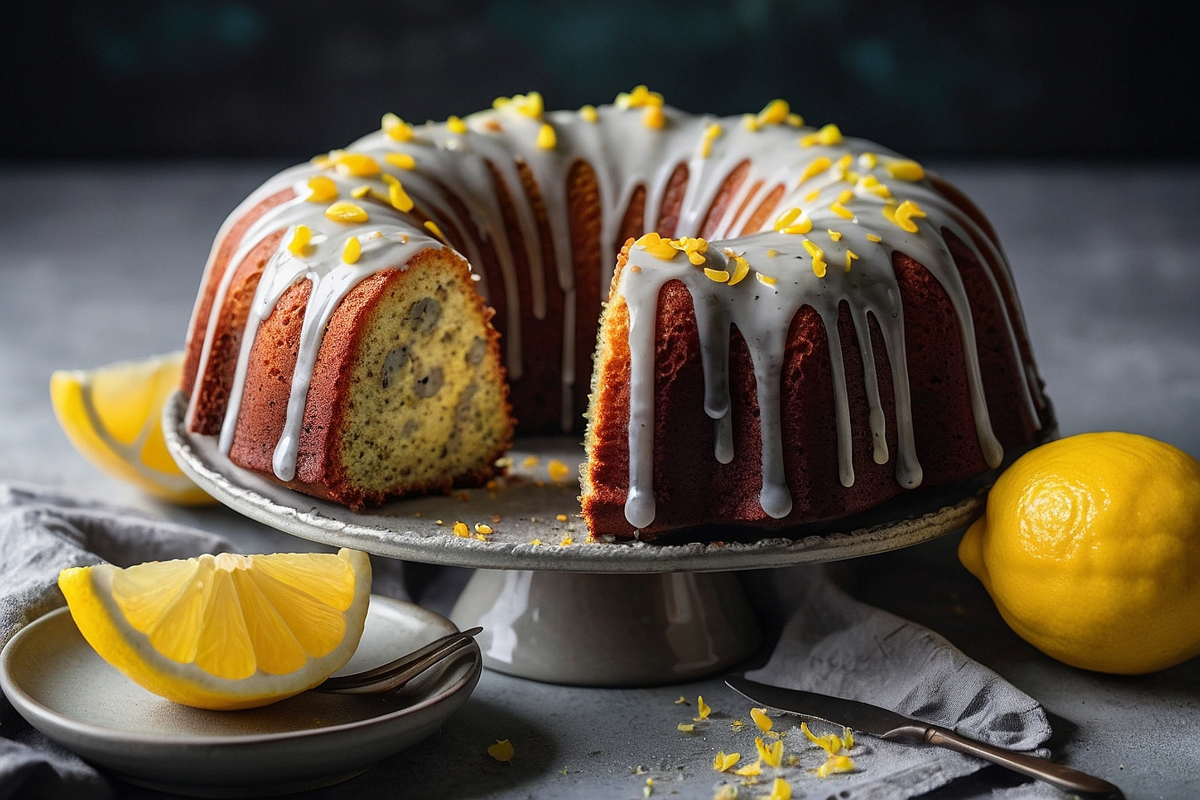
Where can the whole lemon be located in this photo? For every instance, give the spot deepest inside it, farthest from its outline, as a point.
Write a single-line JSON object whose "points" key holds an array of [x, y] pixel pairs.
{"points": [[1090, 548]]}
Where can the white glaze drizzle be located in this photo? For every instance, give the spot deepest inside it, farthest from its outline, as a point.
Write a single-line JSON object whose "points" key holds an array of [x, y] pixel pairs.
{"points": [[625, 153]]}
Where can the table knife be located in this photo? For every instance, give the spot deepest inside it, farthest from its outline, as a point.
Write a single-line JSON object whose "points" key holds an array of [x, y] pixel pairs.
{"points": [[887, 724]]}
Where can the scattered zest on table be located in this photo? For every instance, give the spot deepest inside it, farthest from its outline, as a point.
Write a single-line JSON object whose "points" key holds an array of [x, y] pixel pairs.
{"points": [[502, 750]]}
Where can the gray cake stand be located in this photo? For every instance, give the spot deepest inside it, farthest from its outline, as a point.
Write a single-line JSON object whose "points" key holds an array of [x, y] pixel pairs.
{"points": [[554, 607]]}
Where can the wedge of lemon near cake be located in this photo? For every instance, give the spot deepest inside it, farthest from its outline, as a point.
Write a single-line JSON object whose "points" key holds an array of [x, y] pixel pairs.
{"points": [[113, 416], [226, 631], [1090, 548]]}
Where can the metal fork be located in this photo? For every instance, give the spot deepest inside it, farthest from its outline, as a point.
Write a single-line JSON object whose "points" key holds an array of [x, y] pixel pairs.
{"points": [[393, 675]]}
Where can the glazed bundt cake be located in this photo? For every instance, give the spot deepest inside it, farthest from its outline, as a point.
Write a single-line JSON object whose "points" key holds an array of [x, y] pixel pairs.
{"points": [[794, 326]]}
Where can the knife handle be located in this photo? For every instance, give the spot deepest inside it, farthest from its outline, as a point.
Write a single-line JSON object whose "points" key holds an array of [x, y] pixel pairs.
{"points": [[1059, 775]]}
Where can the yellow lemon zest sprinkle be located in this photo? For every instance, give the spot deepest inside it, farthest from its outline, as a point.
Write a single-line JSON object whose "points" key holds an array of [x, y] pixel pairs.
{"points": [[750, 122], [589, 113], [905, 170], [771, 754], [566, 540], [529, 105], [828, 135], [726, 792], [772, 253], [775, 113], [557, 469], [359, 192], [530, 461], [795, 120], [455, 124], [904, 214], [741, 267], [299, 240], [693, 246], [502, 750], [360, 165], [812, 196], [850, 257], [750, 769], [868, 160], [396, 128], [717, 275], [835, 764], [685, 727], [869, 183], [321, 189], [737, 725], [653, 117], [342, 211], [794, 221], [780, 790], [460, 529], [710, 133], [874, 237], [640, 97], [759, 715], [648, 789], [481, 537], [401, 160], [561, 517], [847, 738], [839, 209], [834, 236], [399, 198], [818, 257], [816, 167], [657, 246], [433, 228], [702, 708], [766, 280], [547, 139], [682, 701], [723, 761], [843, 164], [352, 251], [536, 542], [482, 528]]}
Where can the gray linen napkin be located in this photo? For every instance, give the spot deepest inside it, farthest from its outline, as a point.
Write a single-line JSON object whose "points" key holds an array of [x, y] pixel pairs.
{"points": [[835, 645], [41, 533]]}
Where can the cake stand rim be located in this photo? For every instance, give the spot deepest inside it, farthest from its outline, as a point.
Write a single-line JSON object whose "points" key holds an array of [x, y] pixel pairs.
{"points": [[327, 523]]}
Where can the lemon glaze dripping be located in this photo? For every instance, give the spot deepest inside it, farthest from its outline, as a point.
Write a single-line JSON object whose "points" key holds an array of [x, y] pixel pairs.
{"points": [[626, 153]]}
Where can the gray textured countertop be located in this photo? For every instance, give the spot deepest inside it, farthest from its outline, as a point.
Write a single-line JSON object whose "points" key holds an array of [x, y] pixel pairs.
{"points": [[102, 263]]}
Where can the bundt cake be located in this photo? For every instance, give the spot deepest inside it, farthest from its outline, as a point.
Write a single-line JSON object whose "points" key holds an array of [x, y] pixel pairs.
{"points": [[794, 327]]}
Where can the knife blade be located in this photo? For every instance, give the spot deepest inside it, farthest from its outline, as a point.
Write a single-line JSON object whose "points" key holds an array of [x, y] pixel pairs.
{"points": [[886, 724]]}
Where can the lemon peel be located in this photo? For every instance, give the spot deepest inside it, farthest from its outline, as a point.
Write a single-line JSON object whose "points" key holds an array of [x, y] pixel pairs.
{"points": [[226, 631], [502, 750], [113, 417], [1090, 548]]}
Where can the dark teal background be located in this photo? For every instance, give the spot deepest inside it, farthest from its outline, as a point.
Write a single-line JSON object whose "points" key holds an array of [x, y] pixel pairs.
{"points": [[993, 79]]}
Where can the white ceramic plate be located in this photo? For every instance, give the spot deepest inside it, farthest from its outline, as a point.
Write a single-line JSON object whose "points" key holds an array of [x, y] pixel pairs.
{"points": [[58, 683]]}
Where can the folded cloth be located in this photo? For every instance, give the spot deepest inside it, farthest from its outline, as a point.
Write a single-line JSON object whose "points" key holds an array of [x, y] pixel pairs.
{"points": [[41, 533], [832, 644]]}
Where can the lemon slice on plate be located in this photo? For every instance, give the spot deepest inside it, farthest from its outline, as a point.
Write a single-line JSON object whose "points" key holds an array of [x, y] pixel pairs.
{"points": [[226, 631], [113, 416]]}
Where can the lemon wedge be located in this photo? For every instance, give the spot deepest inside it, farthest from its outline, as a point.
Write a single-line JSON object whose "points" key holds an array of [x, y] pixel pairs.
{"points": [[113, 416], [226, 631]]}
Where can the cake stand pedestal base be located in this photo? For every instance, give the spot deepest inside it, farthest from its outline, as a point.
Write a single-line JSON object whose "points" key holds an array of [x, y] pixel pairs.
{"points": [[587, 629]]}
